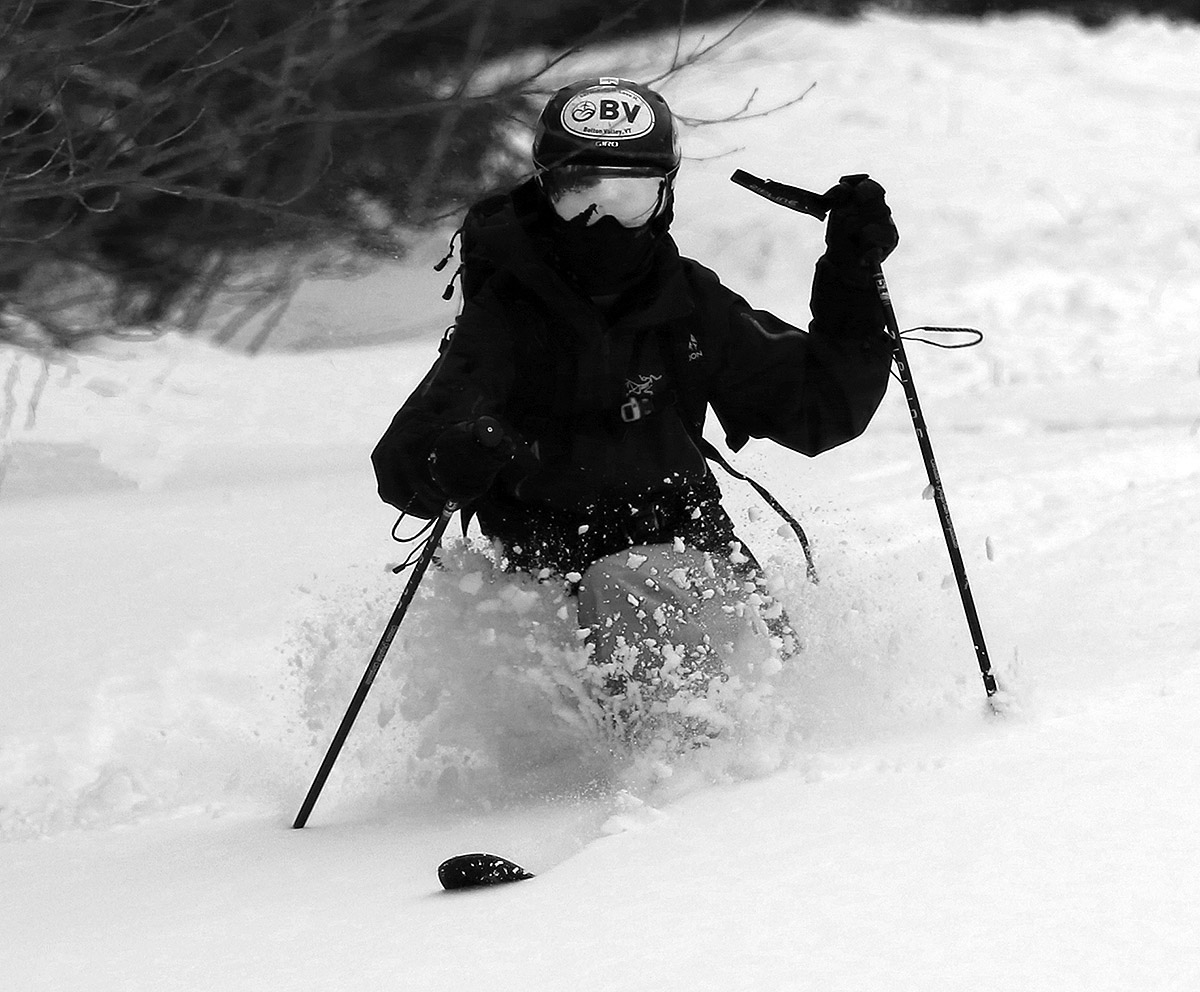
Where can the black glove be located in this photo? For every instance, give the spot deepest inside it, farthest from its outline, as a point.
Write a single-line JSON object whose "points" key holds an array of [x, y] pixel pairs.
{"points": [[466, 459], [860, 229]]}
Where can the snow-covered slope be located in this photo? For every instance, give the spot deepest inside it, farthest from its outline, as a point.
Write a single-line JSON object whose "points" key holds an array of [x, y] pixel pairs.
{"points": [[196, 569]]}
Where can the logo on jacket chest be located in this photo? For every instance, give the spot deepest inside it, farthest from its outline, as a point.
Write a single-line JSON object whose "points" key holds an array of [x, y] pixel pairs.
{"points": [[643, 385], [639, 397]]}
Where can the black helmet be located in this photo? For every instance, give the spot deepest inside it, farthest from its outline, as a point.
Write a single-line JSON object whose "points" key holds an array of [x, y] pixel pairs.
{"points": [[607, 122]]}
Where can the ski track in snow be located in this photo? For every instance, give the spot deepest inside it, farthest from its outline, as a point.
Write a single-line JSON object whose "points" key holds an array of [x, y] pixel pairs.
{"points": [[196, 570]]}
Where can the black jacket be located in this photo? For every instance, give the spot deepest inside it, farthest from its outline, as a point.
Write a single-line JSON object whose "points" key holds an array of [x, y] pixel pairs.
{"points": [[613, 402]]}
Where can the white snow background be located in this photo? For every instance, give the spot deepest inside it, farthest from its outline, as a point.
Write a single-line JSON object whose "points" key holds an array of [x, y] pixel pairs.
{"points": [[195, 569]]}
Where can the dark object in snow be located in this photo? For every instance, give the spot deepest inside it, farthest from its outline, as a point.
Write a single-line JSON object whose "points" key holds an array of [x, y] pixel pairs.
{"points": [[471, 871]]}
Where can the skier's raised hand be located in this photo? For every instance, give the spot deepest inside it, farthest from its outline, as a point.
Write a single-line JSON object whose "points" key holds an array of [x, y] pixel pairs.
{"points": [[860, 229]]}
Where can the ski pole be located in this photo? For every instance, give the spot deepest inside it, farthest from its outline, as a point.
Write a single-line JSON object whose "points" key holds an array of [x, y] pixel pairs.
{"points": [[489, 434], [818, 205], [935, 480], [381, 650]]}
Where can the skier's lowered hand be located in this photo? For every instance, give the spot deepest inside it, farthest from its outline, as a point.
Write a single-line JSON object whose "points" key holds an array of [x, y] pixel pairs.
{"points": [[860, 230], [466, 459]]}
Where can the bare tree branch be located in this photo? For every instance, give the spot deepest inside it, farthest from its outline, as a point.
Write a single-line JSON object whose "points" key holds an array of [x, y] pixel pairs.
{"points": [[151, 143]]}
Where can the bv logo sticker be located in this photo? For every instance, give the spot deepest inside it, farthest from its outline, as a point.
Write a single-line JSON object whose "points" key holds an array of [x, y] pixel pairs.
{"points": [[608, 112]]}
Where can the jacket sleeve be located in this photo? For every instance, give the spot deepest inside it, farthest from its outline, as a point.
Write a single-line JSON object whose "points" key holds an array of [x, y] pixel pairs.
{"points": [[472, 378], [808, 390]]}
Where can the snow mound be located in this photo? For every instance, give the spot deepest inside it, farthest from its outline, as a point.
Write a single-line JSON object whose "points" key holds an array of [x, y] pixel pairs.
{"points": [[489, 697]]}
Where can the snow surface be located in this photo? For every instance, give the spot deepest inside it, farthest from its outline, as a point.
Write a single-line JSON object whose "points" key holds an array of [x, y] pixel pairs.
{"points": [[196, 569]]}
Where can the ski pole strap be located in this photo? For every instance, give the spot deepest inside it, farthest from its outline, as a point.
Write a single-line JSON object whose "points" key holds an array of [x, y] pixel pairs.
{"points": [[712, 454], [968, 337]]}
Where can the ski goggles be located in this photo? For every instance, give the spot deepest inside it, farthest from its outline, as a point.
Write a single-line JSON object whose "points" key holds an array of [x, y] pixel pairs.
{"points": [[632, 197]]}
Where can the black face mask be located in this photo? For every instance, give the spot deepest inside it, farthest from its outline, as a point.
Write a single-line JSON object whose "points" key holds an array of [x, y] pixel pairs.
{"points": [[604, 258]]}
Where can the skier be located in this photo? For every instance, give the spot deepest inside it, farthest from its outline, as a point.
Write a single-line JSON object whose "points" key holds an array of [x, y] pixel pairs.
{"points": [[597, 348]]}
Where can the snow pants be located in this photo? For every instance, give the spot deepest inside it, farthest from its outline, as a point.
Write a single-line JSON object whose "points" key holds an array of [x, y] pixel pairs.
{"points": [[663, 616]]}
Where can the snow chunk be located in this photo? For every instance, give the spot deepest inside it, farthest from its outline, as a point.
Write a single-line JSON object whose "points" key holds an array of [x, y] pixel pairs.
{"points": [[631, 814], [471, 583], [521, 601]]}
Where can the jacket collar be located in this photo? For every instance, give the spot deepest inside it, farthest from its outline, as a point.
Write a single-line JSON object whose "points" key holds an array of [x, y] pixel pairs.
{"points": [[513, 236]]}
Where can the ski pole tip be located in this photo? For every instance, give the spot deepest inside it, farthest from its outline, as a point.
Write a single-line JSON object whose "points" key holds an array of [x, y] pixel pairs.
{"points": [[1001, 703]]}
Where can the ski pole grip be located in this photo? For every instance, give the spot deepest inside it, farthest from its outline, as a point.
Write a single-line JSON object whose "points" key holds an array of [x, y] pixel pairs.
{"points": [[793, 197]]}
